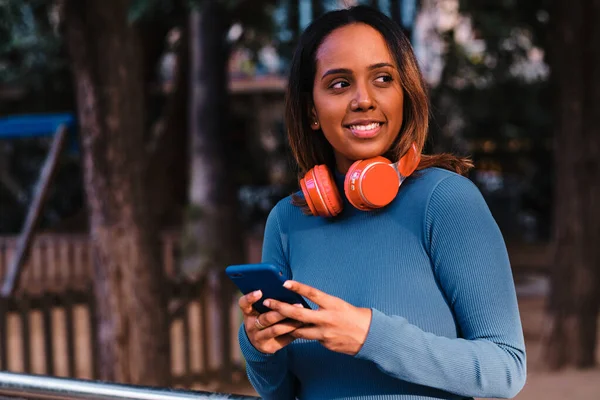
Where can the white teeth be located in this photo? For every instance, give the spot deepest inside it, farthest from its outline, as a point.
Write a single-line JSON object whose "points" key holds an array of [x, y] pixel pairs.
{"points": [[365, 127]]}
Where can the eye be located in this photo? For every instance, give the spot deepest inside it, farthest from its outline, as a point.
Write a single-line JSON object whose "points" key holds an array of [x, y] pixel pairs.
{"points": [[338, 85], [384, 78]]}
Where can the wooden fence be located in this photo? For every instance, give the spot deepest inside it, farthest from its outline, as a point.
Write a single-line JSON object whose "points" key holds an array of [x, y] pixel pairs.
{"points": [[48, 326]]}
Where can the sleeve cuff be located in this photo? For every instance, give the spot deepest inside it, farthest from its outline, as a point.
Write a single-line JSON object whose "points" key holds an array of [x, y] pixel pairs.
{"points": [[251, 353], [377, 343]]}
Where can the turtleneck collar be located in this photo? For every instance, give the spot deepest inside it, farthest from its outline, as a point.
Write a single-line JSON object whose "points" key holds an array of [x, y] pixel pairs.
{"points": [[339, 179], [349, 209]]}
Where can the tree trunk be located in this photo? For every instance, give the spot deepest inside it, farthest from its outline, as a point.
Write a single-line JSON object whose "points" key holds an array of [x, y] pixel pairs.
{"points": [[128, 278], [213, 236], [396, 15], [575, 282], [293, 18], [396, 12], [168, 146], [317, 8]]}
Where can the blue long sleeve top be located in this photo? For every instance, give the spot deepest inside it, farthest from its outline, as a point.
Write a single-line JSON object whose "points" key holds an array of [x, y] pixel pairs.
{"points": [[433, 268]]}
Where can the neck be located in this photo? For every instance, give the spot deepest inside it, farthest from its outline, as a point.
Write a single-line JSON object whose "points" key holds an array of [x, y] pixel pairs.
{"points": [[342, 164], [343, 167]]}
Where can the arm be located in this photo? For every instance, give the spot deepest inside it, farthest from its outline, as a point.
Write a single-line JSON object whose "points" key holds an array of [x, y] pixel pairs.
{"points": [[269, 373], [471, 264]]}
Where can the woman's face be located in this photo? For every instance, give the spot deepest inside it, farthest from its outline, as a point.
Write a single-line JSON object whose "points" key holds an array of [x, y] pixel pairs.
{"points": [[357, 94]]}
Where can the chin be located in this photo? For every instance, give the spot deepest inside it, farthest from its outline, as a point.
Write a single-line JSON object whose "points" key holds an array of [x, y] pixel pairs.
{"points": [[367, 150]]}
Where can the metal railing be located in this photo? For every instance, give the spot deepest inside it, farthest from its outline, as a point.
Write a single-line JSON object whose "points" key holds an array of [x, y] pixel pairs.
{"points": [[14, 385]]}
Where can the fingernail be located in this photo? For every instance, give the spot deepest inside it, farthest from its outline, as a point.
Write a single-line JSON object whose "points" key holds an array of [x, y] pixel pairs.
{"points": [[287, 284], [298, 305], [256, 293], [266, 303]]}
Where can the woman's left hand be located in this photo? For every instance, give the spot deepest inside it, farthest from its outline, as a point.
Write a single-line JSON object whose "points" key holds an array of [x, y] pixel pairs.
{"points": [[338, 325]]}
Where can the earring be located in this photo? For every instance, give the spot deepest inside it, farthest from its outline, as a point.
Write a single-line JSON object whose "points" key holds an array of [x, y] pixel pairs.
{"points": [[315, 123]]}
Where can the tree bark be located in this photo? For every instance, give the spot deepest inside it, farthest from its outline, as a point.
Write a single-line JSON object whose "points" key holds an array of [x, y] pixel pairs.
{"points": [[293, 18], [128, 279], [317, 8], [396, 15], [575, 281], [168, 146], [396, 12], [213, 236], [213, 191]]}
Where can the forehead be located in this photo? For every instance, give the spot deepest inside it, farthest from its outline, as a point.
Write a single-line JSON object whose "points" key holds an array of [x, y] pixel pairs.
{"points": [[356, 44]]}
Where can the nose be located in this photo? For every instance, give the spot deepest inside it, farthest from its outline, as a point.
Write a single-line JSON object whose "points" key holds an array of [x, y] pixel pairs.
{"points": [[362, 99]]}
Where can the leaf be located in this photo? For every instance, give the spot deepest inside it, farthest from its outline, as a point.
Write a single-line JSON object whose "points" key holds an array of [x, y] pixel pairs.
{"points": [[141, 9]]}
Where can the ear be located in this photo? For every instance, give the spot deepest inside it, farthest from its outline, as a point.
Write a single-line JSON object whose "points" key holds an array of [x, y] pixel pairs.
{"points": [[314, 119]]}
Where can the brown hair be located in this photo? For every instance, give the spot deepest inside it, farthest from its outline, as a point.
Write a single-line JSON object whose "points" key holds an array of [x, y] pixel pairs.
{"points": [[310, 149]]}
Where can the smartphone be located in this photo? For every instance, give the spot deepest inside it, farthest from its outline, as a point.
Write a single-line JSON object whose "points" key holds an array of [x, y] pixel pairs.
{"points": [[266, 278]]}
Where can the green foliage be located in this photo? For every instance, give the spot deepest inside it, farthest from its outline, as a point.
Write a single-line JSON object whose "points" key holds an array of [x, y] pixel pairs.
{"points": [[504, 104], [194, 213], [33, 59], [254, 14], [495, 98], [144, 10], [504, 114], [30, 47], [245, 13], [496, 18], [34, 64]]}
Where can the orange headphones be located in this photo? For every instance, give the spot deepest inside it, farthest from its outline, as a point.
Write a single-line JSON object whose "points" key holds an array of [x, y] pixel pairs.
{"points": [[369, 184]]}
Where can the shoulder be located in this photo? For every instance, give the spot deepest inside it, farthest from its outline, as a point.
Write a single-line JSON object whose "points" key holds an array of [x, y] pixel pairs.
{"points": [[284, 206], [453, 201], [430, 178], [437, 185], [284, 211], [446, 194]]}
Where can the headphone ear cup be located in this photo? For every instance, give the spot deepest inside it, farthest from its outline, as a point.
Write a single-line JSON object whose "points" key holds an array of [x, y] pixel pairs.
{"points": [[328, 190], [371, 183], [307, 193], [352, 186], [320, 192]]}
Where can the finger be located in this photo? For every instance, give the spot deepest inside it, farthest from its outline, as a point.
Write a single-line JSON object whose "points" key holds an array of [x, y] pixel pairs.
{"points": [[276, 344], [318, 297], [284, 340], [258, 326], [246, 302], [280, 329], [270, 318], [308, 332], [296, 313]]}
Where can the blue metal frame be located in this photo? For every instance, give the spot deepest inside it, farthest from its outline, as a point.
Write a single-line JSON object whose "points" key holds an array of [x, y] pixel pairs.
{"points": [[34, 125], [39, 125]]}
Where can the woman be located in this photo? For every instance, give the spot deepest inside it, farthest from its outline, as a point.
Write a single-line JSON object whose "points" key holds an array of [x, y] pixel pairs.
{"points": [[412, 300]]}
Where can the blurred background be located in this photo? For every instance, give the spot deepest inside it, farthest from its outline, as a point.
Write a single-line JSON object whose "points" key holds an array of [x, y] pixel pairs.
{"points": [[142, 145]]}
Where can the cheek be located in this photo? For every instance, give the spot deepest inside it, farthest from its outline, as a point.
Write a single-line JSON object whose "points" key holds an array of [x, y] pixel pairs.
{"points": [[330, 111], [394, 108], [397, 119]]}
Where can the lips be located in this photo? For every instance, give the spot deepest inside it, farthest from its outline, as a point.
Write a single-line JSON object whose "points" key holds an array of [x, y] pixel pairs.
{"points": [[364, 129]]}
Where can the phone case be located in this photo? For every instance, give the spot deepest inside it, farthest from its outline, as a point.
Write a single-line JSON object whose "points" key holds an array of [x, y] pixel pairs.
{"points": [[265, 277]]}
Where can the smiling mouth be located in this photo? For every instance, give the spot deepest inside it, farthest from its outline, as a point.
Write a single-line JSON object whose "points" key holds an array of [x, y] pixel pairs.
{"points": [[365, 131]]}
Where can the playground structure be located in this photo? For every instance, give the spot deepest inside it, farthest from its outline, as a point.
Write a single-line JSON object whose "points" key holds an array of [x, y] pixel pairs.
{"points": [[47, 311]]}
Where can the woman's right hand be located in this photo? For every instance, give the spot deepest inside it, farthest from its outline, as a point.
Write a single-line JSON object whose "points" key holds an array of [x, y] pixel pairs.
{"points": [[268, 332]]}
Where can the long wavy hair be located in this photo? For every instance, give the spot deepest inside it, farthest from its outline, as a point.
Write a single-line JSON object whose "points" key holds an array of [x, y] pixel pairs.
{"points": [[310, 149]]}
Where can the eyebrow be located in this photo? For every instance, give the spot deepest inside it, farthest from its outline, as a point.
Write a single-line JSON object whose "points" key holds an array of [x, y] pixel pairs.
{"points": [[348, 71]]}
